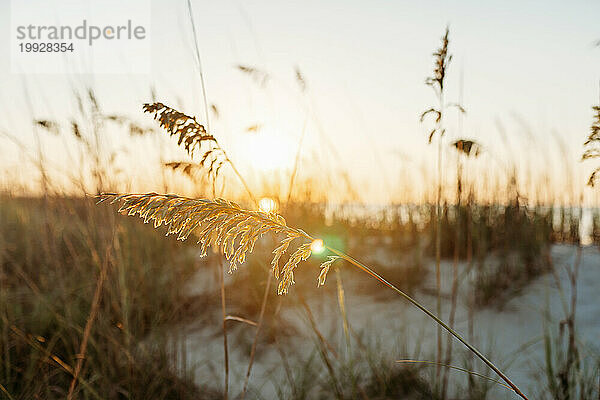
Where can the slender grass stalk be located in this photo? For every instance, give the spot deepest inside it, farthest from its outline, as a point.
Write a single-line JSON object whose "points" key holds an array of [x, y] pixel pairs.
{"points": [[199, 61], [442, 59], [323, 346], [572, 362], [471, 373], [573, 277], [201, 72], [41, 159], [265, 295], [88, 328], [342, 304], [471, 282], [205, 100], [313, 324], [6, 392], [220, 272], [437, 83], [457, 245], [296, 160], [263, 306], [441, 323], [438, 248], [49, 356], [4, 313], [454, 294], [125, 308], [240, 319], [242, 180], [287, 368]]}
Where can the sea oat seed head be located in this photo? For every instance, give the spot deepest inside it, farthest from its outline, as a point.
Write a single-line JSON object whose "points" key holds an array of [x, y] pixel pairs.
{"points": [[325, 269], [220, 224]]}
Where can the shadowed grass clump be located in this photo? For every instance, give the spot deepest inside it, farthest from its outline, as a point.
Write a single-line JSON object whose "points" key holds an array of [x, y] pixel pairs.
{"points": [[517, 240], [399, 383], [52, 254]]}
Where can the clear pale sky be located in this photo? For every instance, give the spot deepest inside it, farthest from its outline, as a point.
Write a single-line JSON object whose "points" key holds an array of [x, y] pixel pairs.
{"points": [[528, 66]]}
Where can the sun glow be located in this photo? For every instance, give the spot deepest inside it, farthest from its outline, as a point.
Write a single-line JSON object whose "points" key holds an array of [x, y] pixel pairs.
{"points": [[267, 204], [317, 246], [268, 151]]}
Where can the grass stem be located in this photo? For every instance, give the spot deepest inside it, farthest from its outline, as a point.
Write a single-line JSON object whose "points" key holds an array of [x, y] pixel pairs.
{"points": [[432, 316], [258, 326]]}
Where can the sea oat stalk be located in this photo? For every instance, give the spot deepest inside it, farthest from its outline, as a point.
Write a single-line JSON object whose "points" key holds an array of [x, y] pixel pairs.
{"points": [[235, 231]]}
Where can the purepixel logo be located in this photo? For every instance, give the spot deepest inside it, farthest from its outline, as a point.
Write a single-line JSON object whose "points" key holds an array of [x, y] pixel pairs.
{"points": [[88, 36], [84, 31]]}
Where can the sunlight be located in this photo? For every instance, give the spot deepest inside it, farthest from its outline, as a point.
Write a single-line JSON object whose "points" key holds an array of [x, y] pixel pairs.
{"points": [[269, 150], [267, 204], [317, 246]]}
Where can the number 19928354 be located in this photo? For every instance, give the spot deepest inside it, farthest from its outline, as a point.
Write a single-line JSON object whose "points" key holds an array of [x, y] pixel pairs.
{"points": [[46, 47]]}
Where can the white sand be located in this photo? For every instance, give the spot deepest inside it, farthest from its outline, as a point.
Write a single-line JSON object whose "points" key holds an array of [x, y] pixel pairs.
{"points": [[512, 337]]}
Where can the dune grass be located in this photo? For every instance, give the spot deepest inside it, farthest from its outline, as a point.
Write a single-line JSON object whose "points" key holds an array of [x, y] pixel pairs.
{"points": [[90, 301]]}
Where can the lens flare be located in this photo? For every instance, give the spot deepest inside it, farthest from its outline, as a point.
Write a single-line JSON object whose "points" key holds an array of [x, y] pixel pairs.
{"points": [[267, 204], [317, 246]]}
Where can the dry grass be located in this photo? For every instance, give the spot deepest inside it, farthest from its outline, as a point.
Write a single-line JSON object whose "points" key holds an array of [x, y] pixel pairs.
{"points": [[190, 135], [218, 213], [592, 150], [235, 231], [64, 267], [223, 224], [437, 82], [61, 338]]}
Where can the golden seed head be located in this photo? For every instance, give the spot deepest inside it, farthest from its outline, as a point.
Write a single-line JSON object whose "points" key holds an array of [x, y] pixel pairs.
{"points": [[222, 224]]}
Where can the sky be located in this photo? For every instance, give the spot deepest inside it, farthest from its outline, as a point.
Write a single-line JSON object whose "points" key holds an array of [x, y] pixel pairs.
{"points": [[527, 73]]}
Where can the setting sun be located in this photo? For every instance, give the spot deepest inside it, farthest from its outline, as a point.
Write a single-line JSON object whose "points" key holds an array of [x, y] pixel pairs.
{"points": [[317, 246], [267, 204]]}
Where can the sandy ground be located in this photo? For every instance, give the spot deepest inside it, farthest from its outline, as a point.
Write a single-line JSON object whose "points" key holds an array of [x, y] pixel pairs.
{"points": [[512, 336]]}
